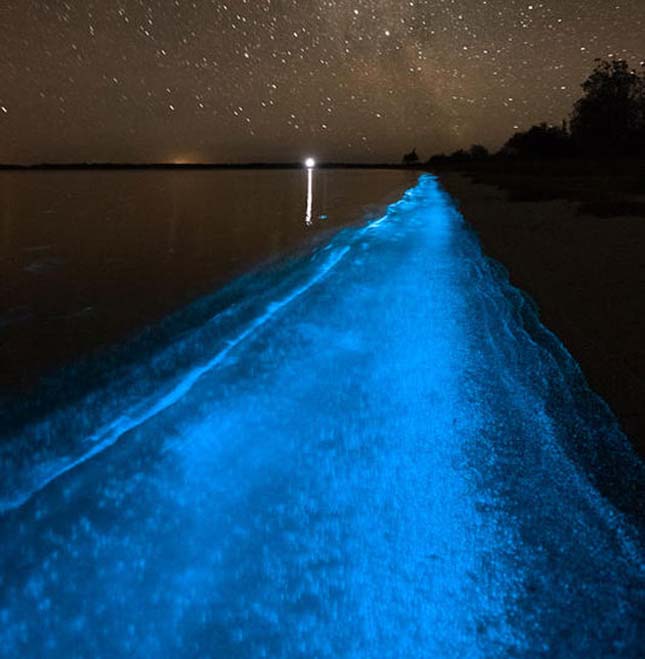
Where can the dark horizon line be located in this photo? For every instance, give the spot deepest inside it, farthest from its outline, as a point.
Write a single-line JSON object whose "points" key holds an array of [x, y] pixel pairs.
{"points": [[250, 165]]}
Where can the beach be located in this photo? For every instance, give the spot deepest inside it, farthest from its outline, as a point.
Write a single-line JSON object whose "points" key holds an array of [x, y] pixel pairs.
{"points": [[585, 273], [379, 432]]}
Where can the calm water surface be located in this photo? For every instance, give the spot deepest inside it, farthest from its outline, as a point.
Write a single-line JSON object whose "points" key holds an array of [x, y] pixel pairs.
{"points": [[88, 257]]}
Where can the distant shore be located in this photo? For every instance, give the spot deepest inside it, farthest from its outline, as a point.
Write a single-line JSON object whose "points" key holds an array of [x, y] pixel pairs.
{"points": [[573, 240], [191, 166]]}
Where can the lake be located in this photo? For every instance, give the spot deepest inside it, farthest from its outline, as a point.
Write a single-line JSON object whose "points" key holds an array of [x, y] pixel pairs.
{"points": [[89, 257], [371, 448]]}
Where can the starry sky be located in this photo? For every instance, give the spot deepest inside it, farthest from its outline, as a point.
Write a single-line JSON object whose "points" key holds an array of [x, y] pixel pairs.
{"points": [[273, 80]]}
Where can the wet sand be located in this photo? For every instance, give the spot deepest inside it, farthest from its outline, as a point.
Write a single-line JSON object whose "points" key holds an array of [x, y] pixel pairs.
{"points": [[587, 276]]}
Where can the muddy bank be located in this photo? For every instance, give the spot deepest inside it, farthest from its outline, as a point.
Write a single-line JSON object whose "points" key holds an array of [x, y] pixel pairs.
{"points": [[587, 275]]}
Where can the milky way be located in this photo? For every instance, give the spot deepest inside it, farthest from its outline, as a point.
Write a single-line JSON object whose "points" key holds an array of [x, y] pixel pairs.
{"points": [[362, 80]]}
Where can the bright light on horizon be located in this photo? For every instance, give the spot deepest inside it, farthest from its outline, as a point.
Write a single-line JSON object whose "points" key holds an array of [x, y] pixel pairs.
{"points": [[310, 189]]}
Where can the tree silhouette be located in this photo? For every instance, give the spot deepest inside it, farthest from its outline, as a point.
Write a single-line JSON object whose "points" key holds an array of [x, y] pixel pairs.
{"points": [[411, 158], [541, 141], [609, 120], [610, 117], [478, 152]]}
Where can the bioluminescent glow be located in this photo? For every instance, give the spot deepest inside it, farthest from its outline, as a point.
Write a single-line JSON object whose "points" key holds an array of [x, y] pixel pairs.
{"points": [[375, 450]]}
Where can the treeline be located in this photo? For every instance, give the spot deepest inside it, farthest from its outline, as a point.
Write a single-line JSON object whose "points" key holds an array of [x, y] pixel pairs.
{"points": [[608, 120]]}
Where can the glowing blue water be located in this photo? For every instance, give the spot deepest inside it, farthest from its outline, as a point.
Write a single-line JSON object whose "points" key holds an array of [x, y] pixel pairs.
{"points": [[375, 451]]}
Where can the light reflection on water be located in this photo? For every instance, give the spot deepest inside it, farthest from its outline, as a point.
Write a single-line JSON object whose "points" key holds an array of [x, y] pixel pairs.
{"points": [[310, 195]]}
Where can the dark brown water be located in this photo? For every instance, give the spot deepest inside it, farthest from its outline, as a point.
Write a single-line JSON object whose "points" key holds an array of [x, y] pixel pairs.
{"points": [[87, 258]]}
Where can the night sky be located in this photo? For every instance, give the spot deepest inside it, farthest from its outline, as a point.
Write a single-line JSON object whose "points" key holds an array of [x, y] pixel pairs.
{"points": [[246, 80]]}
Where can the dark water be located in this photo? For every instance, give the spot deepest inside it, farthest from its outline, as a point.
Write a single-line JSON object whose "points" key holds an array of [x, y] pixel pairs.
{"points": [[372, 450], [88, 257]]}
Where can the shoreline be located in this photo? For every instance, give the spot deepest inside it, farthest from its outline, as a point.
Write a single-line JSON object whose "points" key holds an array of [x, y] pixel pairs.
{"points": [[585, 274]]}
